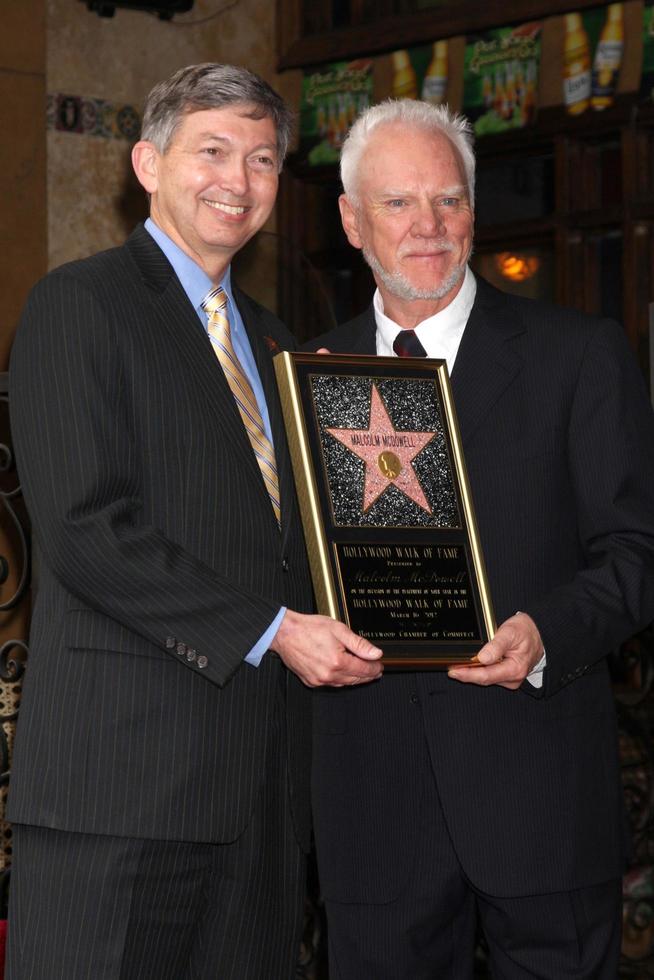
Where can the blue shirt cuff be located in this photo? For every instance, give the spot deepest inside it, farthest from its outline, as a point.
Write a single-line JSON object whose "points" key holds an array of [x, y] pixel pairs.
{"points": [[255, 655]]}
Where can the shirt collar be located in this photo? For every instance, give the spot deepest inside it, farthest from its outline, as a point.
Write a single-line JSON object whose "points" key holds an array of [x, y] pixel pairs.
{"points": [[439, 334], [194, 280]]}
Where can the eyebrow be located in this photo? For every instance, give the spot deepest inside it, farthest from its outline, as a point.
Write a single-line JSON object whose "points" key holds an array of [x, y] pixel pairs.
{"points": [[459, 190], [213, 136]]}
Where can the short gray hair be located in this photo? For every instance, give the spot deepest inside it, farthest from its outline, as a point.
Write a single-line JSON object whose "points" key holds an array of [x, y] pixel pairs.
{"points": [[436, 119], [212, 86]]}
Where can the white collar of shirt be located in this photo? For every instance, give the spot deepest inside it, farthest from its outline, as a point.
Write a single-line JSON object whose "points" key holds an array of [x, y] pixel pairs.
{"points": [[439, 334], [194, 280]]}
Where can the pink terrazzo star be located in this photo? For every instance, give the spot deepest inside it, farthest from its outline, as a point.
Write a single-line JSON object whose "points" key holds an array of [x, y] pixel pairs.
{"points": [[387, 453]]}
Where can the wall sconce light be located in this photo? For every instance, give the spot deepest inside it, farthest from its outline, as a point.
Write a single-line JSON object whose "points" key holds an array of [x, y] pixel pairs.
{"points": [[516, 267]]}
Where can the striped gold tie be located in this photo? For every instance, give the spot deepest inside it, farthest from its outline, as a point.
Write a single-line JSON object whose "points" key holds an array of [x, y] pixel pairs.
{"points": [[215, 305]]}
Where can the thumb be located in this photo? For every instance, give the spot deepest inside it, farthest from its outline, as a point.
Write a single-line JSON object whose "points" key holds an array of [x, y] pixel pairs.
{"points": [[497, 648], [359, 646]]}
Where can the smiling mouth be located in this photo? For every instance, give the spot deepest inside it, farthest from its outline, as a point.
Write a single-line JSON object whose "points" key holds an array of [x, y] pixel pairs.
{"points": [[226, 208], [425, 255], [435, 246]]}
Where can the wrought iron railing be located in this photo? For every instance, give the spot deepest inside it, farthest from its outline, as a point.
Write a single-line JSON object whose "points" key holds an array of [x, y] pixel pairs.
{"points": [[14, 586]]}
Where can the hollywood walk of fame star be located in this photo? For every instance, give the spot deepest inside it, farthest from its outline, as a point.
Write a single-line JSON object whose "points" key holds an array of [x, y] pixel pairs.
{"points": [[388, 454]]}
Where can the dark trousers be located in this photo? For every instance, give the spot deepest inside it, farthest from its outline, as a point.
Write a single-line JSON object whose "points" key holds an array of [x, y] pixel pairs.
{"points": [[86, 907], [428, 932]]}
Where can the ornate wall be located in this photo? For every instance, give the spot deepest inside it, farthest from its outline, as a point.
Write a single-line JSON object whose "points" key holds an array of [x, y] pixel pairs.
{"points": [[98, 71]]}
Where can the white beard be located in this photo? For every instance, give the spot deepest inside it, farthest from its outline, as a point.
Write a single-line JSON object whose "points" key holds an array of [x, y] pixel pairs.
{"points": [[397, 284]]}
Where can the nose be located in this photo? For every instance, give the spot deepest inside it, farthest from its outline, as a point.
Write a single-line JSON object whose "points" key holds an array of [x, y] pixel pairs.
{"points": [[234, 176], [429, 222]]}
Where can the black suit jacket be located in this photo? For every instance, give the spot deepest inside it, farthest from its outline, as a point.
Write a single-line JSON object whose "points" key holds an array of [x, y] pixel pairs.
{"points": [[559, 442], [162, 562]]}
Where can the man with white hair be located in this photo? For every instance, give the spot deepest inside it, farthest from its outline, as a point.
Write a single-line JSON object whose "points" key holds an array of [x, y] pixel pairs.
{"points": [[490, 796]]}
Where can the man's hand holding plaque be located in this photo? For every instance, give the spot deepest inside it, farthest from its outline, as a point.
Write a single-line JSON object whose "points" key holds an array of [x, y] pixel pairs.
{"points": [[508, 659], [322, 652]]}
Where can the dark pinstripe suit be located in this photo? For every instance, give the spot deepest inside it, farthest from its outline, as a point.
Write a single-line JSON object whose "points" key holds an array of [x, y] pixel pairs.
{"points": [[162, 563], [559, 443]]}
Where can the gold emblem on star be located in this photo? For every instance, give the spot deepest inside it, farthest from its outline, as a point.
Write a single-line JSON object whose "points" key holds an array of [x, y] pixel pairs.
{"points": [[389, 465]]}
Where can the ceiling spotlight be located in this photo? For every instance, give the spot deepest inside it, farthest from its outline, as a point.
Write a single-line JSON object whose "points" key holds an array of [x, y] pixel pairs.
{"points": [[165, 9]]}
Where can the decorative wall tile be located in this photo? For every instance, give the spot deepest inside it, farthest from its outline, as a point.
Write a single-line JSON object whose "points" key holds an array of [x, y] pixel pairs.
{"points": [[92, 117]]}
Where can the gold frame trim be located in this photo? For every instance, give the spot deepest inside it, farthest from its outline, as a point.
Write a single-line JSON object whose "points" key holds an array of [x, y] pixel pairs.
{"points": [[466, 497], [317, 543], [305, 484]]}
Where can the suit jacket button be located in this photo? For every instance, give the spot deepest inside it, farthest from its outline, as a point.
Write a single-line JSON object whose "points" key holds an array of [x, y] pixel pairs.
{"points": [[202, 661], [190, 654], [285, 564], [180, 649], [171, 643]]}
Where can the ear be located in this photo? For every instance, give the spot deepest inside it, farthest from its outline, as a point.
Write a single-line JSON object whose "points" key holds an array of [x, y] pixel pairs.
{"points": [[350, 219], [145, 158]]}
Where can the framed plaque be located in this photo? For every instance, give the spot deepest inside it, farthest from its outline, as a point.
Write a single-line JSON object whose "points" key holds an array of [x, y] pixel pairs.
{"points": [[386, 507]]}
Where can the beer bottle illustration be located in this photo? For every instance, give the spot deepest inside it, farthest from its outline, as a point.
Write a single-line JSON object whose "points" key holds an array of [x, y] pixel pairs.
{"points": [[342, 123], [528, 104], [576, 65], [499, 98], [435, 81], [405, 83], [350, 108], [487, 90], [321, 120], [608, 58], [510, 90], [519, 80], [332, 135]]}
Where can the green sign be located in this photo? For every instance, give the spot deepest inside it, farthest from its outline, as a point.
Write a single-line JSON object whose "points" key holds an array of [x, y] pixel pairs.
{"points": [[331, 100], [500, 82], [647, 78]]}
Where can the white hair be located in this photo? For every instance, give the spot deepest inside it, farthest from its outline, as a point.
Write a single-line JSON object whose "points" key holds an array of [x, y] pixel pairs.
{"points": [[436, 119]]}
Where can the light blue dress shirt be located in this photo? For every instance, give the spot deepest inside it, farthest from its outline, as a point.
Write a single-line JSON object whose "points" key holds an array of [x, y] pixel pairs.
{"points": [[196, 284]]}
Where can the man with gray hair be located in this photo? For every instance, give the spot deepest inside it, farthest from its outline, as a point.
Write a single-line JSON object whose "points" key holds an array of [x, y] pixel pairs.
{"points": [[159, 790], [490, 796]]}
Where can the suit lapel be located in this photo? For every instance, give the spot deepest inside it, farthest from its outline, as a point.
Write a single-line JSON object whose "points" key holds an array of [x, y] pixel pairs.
{"points": [[182, 331], [488, 360], [363, 332], [263, 357]]}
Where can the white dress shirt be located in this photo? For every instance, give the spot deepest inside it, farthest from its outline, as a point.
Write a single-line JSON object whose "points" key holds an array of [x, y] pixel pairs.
{"points": [[439, 334]]}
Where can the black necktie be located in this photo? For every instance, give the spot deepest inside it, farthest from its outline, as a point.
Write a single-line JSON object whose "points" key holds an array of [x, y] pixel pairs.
{"points": [[406, 344]]}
